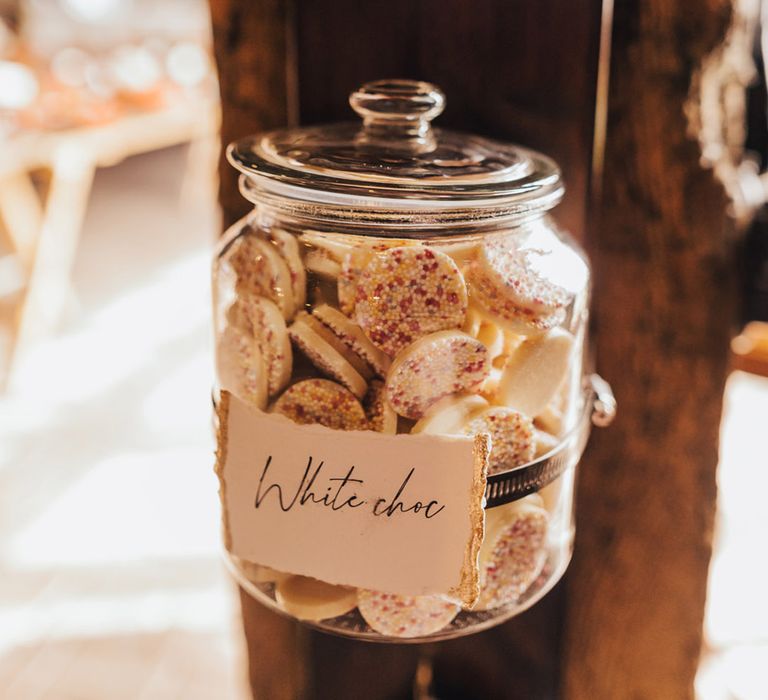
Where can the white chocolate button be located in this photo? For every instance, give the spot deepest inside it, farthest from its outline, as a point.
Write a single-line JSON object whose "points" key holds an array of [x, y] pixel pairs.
{"points": [[551, 420], [512, 441], [491, 302], [534, 372], [448, 416], [461, 251], [353, 337], [354, 263], [309, 599], [472, 321], [336, 246], [490, 335], [518, 275], [322, 264], [288, 247], [544, 442]]}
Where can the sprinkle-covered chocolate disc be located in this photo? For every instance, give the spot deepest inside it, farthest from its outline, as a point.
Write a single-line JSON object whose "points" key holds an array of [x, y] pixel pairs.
{"points": [[493, 301], [322, 401], [405, 616], [328, 353], [288, 247], [353, 263], [406, 293], [512, 556], [240, 366], [513, 271], [263, 320], [380, 414], [513, 441], [261, 270], [444, 363], [349, 333]]}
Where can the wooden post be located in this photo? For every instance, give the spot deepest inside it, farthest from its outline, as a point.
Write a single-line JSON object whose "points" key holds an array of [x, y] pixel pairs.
{"points": [[663, 314], [630, 624], [255, 56]]}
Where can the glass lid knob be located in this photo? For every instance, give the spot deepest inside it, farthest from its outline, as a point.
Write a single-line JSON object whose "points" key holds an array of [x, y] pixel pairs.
{"points": [[398, 112]]}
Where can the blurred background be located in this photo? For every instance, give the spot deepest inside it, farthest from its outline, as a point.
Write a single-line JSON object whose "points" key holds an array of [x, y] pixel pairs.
{"points": [[110, 579]]}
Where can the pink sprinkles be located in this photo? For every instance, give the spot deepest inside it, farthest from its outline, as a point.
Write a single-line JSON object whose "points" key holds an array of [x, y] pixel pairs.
{"points": [[261, 270], [264, 322], [512, 437], [448, 362], [516, 559], [498, 304], [405, 616], [322, 401], [511, 270], [409, 292]]}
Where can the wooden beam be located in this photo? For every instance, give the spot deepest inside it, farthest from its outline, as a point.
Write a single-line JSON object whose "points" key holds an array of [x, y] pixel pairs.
{"points": [[664, 308]]}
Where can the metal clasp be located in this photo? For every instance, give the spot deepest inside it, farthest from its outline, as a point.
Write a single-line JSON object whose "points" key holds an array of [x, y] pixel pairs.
{"points": [[604, 402]]}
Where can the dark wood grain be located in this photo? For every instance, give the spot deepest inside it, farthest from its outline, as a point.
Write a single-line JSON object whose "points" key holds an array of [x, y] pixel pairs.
{"points": [[255, 56], [277, 653], [511, 69], [663, 311]]}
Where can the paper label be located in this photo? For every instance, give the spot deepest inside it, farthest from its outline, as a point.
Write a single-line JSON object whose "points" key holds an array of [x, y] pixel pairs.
{"points": [[395, 513]]}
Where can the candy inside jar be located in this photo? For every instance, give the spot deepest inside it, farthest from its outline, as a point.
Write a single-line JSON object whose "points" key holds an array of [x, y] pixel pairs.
{"points": [[455, 320]]}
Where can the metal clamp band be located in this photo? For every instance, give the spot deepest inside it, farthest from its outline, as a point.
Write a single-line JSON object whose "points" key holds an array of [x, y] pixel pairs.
{"points": [[599, 409]]}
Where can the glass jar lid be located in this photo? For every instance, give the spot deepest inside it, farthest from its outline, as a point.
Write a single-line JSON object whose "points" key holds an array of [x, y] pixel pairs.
{"points": [[395, 167]]}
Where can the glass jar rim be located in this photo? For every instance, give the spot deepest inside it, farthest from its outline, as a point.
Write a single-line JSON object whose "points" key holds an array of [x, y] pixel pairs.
{"points": [[395, 169], [370, 213]]}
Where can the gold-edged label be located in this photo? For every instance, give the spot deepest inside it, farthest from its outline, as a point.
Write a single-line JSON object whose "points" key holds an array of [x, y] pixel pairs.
{"points": [[395, 513]]}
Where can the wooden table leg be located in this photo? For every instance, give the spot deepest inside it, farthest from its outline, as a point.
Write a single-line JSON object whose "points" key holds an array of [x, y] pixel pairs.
{"points": [[22, 215], [54, 253]]}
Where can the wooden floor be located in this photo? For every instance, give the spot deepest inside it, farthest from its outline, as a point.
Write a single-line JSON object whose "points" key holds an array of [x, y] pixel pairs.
{"points": [[173, 664], [111, 584]]}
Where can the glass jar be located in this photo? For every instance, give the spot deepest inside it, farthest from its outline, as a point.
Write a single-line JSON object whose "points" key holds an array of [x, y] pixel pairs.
{"points": [[397, 279]]}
